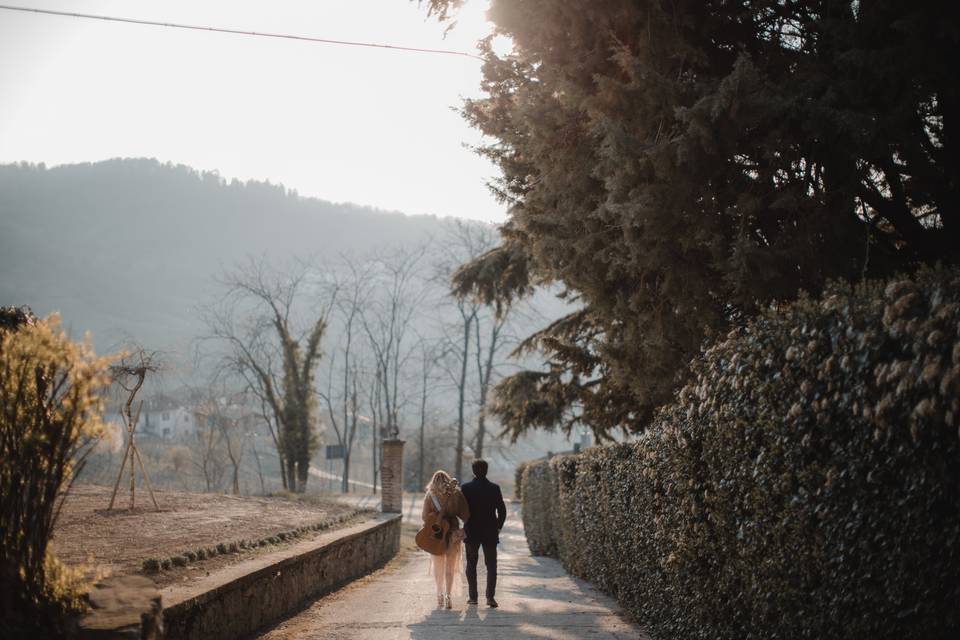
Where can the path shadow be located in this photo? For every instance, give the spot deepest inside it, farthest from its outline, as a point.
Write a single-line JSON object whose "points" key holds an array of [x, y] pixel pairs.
{"points": [[520, 621]]}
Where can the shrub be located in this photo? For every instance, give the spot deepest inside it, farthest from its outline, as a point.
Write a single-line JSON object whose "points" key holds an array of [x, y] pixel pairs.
{"points": [[166, 564], [804, 485], [179, 561], [222, 548], [540, 524], [49, 417], [151, 565], [518, 481]]}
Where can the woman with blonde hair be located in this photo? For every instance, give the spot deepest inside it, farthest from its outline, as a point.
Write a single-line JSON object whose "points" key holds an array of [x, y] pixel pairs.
{"points": [[444, 497]]}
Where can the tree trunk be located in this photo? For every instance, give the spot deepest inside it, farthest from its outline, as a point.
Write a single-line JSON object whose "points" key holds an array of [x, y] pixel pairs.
{"points": [[256, 457], [420, 470], [345, 483], [376, 466], [283, 471], [303, 473], [461, 400], [422, 482], [486, 373], [291, 475], [236, 479], [481, 426]]}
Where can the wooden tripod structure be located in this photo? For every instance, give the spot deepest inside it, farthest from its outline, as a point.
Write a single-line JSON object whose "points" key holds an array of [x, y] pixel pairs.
{"points": [[131, 376]]}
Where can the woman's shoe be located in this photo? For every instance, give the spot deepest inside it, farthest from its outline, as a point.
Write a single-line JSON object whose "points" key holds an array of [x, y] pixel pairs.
{"points": [[447, 604], [439, 599]]}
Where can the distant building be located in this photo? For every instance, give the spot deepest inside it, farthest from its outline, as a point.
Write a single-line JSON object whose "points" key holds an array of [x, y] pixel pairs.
{"points": [[167, 418], [172, 423]]}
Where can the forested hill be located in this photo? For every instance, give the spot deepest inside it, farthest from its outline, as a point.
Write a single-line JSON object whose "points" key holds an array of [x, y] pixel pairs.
{"points": [[130, 248]]}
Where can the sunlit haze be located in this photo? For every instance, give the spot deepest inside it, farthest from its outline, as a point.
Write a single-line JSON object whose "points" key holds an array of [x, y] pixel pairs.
{"points": [[369, 126]]}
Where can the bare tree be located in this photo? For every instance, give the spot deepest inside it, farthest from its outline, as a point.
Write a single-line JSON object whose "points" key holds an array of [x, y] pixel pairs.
{"points": [[486, 356], [273, 427], [386, 319], [376, 425], [345, 416], [234, 438], [430, 354], [257, 319], [256, 458], [130, 374], [209, 439], [468, 317], [465, 242], [344, 425]]}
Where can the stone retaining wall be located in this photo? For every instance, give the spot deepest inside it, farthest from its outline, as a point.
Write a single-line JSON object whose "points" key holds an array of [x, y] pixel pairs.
{"points": [[241, 599]]}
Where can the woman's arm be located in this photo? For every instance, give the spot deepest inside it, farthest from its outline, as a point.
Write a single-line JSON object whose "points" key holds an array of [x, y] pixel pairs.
{"points": [[428, 509]]}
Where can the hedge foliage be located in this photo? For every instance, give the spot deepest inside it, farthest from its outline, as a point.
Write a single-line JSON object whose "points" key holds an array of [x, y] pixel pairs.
{"points": [[518, 481], [806, 484]]}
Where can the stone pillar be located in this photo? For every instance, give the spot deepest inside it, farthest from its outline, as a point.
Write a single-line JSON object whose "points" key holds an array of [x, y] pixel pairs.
{"points": [[391, 473]]}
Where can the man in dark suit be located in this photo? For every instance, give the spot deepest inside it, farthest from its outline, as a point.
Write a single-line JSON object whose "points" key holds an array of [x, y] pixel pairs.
{"points": [[487, 515]]}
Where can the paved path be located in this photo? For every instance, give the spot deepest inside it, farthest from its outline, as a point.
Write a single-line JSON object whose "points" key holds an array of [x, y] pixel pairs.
{"points": [[537, 600]]}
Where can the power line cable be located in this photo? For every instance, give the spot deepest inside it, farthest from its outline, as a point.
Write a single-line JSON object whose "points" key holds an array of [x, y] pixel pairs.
{"points": [[259, 34]]}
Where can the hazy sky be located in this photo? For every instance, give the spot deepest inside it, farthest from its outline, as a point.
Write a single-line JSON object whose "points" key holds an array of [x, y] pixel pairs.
{"points": [[341, 123]]}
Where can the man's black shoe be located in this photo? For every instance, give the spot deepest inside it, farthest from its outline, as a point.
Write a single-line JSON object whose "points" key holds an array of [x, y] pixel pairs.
{"points": [[492, 603], [472, 601]]}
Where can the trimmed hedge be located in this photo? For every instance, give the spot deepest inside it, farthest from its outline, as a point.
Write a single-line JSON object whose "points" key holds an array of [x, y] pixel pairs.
{"points": [[540, 525], [518, 481], [806, 484]]}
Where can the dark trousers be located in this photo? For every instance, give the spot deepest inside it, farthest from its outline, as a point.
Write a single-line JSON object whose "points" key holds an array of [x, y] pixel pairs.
{"points": [[489, 559]]}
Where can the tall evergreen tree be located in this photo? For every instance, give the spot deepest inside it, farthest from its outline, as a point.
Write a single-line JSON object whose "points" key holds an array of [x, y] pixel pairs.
{"points": [[676, 165]]}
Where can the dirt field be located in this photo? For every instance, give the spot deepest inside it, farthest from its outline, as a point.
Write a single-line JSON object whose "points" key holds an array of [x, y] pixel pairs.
{"points": [[118, 541]]}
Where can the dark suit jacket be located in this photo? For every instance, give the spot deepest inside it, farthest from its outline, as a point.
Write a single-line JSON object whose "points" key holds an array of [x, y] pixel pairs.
{"points": [[487, 511]]}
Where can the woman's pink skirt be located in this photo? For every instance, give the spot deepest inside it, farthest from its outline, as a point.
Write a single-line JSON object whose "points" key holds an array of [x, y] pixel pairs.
{"points": [[450, 563]]}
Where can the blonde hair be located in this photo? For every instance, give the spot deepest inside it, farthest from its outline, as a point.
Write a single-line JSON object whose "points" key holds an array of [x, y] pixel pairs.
{"points": [[441, 484]]}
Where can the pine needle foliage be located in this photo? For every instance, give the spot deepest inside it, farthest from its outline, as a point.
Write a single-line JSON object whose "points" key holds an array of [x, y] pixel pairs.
{"points": [[678, 165]]}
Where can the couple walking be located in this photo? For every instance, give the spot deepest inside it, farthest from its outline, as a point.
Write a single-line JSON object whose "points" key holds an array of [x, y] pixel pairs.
{"points": [[479, 504]]}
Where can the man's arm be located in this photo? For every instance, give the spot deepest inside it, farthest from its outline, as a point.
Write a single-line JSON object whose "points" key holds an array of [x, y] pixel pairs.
{"points": [[501, 509], [464, 512]]}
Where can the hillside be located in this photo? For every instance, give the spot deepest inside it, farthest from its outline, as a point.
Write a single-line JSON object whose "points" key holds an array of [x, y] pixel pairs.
{"points": [[130, 247], [130, 250]]}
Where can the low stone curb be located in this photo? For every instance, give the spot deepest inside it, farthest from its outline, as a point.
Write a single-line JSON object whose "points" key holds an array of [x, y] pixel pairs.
{"points": [[238, 600], [156, 565]]}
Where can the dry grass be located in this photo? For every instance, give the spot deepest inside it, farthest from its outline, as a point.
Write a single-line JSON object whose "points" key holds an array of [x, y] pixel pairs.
{"points": [[118, 541]]}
